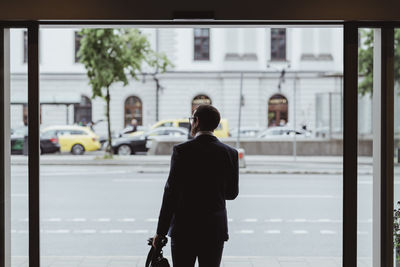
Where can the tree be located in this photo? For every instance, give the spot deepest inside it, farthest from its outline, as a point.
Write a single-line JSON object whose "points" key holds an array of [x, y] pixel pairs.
{"points": [[110, 55], [365, 60]]}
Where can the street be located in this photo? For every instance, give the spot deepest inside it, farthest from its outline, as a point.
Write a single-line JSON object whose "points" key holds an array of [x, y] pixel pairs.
{"points": [[112, 210]]}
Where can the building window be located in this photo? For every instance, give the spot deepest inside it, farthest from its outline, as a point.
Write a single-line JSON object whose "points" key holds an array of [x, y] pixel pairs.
{"points": [[201, 44], [25, 37], [278, 44], [133, 110], [200, 100], [277, 111], [78, 39], [83, 111]]}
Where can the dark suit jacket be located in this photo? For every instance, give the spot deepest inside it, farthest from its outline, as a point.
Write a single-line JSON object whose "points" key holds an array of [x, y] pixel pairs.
{"points": [[204, 173]]}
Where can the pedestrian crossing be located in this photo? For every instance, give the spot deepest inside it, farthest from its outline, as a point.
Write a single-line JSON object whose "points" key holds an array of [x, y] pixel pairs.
{"points": [[118, 226], [154, 220]]}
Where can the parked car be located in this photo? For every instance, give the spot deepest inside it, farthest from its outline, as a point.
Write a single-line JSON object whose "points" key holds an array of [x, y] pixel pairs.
{"points": [[282, 132], [128, 145], [48, 142], [221, 131], [246, 131], [128, 130], [75, 139]]}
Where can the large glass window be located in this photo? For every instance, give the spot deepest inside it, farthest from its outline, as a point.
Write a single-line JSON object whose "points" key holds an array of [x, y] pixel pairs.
{"points": [[365, 148], [289, 210], [83, 111], [200, 100], [25, 46], [201, 44], [278, 44], [19, 147], [133, 110], [77, 43]]}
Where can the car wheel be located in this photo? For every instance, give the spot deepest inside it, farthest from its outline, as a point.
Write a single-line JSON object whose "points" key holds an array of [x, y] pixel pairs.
{"points": [[124, 150], [77, 149]]}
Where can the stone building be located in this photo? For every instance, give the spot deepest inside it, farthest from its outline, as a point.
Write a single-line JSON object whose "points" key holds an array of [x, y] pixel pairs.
{"points": [[290, 76]]}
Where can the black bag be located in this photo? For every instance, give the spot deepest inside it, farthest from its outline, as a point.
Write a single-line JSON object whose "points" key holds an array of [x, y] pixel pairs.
{"points": [[155, 257]]}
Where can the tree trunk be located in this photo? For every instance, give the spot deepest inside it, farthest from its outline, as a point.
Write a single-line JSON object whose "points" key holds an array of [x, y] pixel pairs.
{"points": [[109, 144], [157, 96]]}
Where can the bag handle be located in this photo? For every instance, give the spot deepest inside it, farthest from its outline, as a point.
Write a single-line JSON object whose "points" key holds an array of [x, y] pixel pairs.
{"points": [[154, 252]]}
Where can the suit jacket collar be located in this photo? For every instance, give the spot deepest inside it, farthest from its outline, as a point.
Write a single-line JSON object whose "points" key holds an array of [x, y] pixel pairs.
{"points": [[206, 137]]}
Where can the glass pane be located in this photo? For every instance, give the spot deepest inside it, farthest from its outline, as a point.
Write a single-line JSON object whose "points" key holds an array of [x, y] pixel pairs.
{"points": [[19, 147], [100, 209], [365, 134]]}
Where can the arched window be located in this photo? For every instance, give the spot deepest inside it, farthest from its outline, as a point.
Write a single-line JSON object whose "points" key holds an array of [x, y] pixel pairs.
{"points": [[277, 110], [133, 110], [200, 100], [83, 111]]}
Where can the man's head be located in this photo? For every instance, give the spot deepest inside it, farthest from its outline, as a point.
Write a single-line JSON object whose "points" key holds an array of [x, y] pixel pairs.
{"points": [[206, 118], [134, 122]]}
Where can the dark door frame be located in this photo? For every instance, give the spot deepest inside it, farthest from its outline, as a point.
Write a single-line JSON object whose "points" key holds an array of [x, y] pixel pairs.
{"points": [[350, 127]]}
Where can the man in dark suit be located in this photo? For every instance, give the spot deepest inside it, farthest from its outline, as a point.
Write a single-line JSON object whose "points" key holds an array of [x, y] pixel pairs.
{"points": [[204, 173]]}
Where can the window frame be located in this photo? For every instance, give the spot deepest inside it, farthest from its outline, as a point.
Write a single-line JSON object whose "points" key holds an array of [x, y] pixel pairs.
{"points": [[350, 46]]}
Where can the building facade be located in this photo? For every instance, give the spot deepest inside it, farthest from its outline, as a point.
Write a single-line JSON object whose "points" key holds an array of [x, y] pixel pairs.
{"points": [[289, 76]]}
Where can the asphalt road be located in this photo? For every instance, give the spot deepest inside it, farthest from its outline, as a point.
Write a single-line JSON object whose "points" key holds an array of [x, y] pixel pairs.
{"points": [[112, 210]]}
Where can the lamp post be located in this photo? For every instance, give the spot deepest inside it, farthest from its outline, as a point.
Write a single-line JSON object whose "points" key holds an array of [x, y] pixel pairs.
{"points": [[241, 103]]}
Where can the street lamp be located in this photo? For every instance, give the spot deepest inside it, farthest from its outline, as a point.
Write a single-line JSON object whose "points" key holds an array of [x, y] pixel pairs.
{"points": [[282, 80]]}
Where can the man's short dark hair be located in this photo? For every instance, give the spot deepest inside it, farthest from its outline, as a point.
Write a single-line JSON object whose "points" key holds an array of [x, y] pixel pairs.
{"points": [[208, 116]]}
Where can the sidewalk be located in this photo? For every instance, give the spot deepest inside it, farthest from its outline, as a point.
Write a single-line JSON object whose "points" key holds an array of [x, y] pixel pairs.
{"points": [[254, 164], [227, 261]]}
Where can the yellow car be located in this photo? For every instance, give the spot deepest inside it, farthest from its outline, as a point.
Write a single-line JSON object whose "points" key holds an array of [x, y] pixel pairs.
{"points": [[75, 139], [222, 130]]}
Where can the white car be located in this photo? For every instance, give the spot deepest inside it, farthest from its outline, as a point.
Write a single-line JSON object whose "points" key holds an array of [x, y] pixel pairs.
{"points": [[282, 132], [246, 132]]}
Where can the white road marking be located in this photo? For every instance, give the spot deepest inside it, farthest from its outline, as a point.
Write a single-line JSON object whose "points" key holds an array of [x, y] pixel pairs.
{"points": [[274, 220], [82, 173], [136, 231], [85, 231], [59, 231], [362, 232], [77, 220], [52, 220], [324, 220], [24, 220], [300, 232], [245, 232], [327, 232], [272, 232], [152, 220], [112, 231], [250, 220], [298, 220], [22, 231], [102, 220], [230, 220], [290, 196], [119, 180], [127, 220]]}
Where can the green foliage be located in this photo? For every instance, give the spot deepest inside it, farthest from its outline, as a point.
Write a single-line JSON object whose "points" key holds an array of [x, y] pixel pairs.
{"points": [[109, 54], [365, 60]]}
